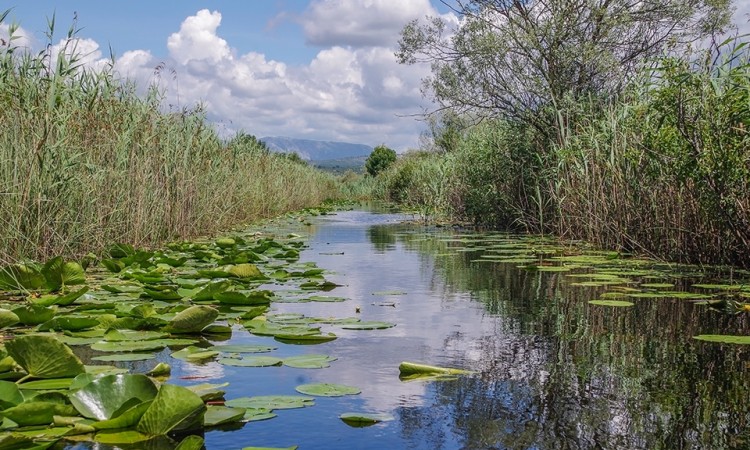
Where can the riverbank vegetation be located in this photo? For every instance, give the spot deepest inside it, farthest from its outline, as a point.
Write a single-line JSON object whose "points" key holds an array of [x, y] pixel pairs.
{"points": [[86, 161], [581, 124]]}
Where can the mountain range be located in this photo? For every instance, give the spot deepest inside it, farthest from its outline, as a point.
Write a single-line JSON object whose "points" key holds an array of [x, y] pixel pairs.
{"points": [[316, 151]]}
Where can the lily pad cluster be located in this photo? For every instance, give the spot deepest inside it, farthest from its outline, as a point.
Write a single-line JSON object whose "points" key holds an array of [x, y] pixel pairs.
{"points": [[134, 304]]}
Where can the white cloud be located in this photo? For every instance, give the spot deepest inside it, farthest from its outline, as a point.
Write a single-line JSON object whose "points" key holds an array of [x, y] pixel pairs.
{"points": [[345, 93], [21, 37], [360, 23]]}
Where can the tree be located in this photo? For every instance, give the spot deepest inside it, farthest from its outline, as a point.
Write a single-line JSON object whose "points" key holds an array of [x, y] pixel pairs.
{"points": [[379, 160], [528, 59]]}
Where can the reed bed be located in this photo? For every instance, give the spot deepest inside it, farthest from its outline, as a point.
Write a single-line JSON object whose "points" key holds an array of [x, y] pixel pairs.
{"points": [[85, 161]]}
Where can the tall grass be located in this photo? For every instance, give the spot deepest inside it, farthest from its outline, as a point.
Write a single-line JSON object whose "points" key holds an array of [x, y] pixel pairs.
{"points": [[663, 170], [86, 161]]}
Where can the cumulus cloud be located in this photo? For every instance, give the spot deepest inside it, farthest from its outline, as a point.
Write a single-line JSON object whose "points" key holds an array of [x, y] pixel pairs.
{"points": [[360, 23], [20, 39], [347, 93]]}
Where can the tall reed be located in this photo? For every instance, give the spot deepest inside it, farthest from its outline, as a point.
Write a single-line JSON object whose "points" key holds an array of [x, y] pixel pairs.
{"points": [[86, 161]]}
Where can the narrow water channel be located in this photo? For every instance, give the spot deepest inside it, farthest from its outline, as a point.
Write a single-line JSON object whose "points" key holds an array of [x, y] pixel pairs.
{"points": [[552, 370]]}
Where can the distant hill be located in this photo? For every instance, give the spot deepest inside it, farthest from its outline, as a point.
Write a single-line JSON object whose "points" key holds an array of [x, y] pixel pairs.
{"points": [[316, 151]]}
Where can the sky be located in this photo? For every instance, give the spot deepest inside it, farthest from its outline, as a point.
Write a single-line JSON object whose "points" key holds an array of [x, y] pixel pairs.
{"points": [[310, 69]]}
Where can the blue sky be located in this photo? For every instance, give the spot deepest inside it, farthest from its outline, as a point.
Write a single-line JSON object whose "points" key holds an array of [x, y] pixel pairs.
{"points": [[314, 69]]}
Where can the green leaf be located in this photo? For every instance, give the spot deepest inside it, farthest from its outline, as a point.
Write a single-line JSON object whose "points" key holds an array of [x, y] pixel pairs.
{"points": [[69, 323], [35, 314], [37, 412], [724, 339], [21, 277], [615, 303], [126, 417], [271, 402], [245, 299], [191, 442], [219, 415], [258, 414], [160, 370], [61, 300], [251, 361], [364, 419], [410, 368], [327, 389], [133, 335], [10, 395], [246, 271], [139, 346], [104, 396], [8, 318], [59, 273], [47, 384], [175, 408], [125, 357], [309, 361], [371, 325], [193, 319], [192, 353], [44, 357], [208, 391], [211, 290]]}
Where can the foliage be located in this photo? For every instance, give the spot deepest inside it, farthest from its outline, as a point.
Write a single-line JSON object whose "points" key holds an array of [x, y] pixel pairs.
{"points": [[379, 160], [87, 161], [527, 60]]}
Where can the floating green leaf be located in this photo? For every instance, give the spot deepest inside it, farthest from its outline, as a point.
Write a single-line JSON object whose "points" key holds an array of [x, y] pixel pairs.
{"points": [[175, 408], [271, 402], [37, 412], [371, 325], [327, 389], [251, 361], [59, 273], [34, 314], [139, 346], [8, 318], [192, 319], [105, 396], [125, 357], [192, 353], [44, 357], [21, 277], [615, 303], [724, 339], [358, 420], [219, 415], [311, 361]]}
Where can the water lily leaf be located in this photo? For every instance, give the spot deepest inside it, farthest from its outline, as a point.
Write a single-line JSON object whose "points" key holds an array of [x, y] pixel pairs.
{"points": [[246, 299], [125, 357], [192, 353], [258, 414], [139, 346], [271, 402], [123, 437], [69, 323], [127, 416], [21, 277], [208, 391], [175, 408], [193, 319], [59, 273], [15, 441], [209, 291], [410, 368], [113, 265], [293, 447], [246, 271], [10, 395], [326, 299], [724, 339], [365, 325], [305, 338], [251, 361], [327, 389], [37, 412], [44, 357], [167, 294], [192, 442], [121, 250], [47, 384], [8, 318], [160, 370], [311, 361], [243, 348], [35, 314], [133, 335], [225, 243], [104, 396], [615, 303], [364, 419], [219, 415]]}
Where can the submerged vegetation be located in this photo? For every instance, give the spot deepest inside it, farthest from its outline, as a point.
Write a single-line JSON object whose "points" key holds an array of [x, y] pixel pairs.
{"points": [[651, 156], [86, 161]]}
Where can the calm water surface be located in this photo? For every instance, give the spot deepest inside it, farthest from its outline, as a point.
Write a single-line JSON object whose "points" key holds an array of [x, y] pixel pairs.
{"points": [[552, 371]]}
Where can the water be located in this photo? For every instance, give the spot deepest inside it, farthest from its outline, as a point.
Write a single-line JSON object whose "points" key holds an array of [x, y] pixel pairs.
{"points": [[552, 371]]}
